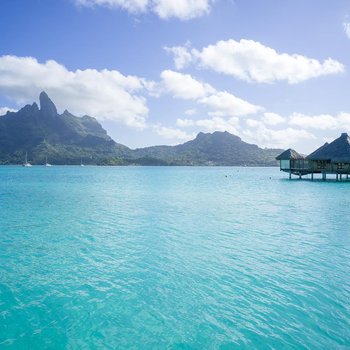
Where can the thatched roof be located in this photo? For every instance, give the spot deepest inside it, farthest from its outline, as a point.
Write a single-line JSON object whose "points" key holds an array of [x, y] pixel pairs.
{"points": [[289, 154], [315, 153], [337, 151]]}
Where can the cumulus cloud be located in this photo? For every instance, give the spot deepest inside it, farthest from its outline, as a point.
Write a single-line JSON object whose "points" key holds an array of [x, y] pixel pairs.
{"points": [[4, 110], [252, 61], [185, 123], [282, 138], [173, 134], [133, 6], [181, 9], [270, 118], [184, 86], [226, 104], [222, 103], [346, 26], [211, 124], [339, 122], [104, 94], [182, 55], [273, 130]]}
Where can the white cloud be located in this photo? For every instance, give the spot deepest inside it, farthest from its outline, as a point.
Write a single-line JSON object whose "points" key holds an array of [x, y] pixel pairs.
{"points": [[251, 61], [212, 124], [4, 110], [253, 123], [171, 133], [225, 104], [222, 103], [270, 118], [181, 9], [185, 123], [182, 55], [321, 122], [296, 127], [266, 137], [346, 26], [105, 94], [184, 86], [132, 6], [344, 121]]}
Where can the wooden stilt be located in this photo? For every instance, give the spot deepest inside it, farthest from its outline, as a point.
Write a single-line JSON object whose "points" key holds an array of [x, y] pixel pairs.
{"points": [[299, 176], [312, 176], [290, 175]]}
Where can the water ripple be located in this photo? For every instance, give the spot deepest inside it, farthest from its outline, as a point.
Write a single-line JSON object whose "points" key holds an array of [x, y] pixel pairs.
{"points": [[172, 258]]}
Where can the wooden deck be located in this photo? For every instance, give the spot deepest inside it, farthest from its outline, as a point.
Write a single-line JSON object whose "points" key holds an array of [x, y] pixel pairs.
{"points": [[338, 175], [300, 168]]}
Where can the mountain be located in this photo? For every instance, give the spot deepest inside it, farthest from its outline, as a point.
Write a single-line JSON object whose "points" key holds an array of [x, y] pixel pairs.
{"points": [[67, 139], [218, 148], [63, 138]]}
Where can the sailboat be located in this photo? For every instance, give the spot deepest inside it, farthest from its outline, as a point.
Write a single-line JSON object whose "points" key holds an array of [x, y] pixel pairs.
{"points": [[81, 162], [26, 164], [47, 164]]}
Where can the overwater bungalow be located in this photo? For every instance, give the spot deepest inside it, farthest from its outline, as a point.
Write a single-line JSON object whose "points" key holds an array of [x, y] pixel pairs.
{"points": [[331, 158]]}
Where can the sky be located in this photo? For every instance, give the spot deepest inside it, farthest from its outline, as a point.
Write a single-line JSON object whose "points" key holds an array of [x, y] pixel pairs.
{"points": [[275, 73]]}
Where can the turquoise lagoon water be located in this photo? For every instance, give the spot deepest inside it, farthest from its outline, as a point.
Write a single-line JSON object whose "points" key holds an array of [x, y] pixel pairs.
{"points": [[172, 258]]}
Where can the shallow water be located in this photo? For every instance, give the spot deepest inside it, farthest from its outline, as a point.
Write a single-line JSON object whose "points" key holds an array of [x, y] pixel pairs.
{"points": [[172, 258]]}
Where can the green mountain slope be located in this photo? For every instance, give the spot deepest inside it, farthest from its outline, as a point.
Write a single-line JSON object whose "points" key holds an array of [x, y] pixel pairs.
{"points": [[63, 138], [218, 148]]}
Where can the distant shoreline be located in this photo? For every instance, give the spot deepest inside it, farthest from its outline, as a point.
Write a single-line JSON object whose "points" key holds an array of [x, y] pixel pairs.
{"points": [[143, 166]]}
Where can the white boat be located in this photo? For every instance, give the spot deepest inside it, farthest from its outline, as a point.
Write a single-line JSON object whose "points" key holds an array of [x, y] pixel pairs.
{"points": [[26, 163], [81, 162], [47, 164]]}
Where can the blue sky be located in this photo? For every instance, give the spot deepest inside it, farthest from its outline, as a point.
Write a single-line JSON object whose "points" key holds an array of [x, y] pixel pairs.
{"points": [[160, 71]]}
